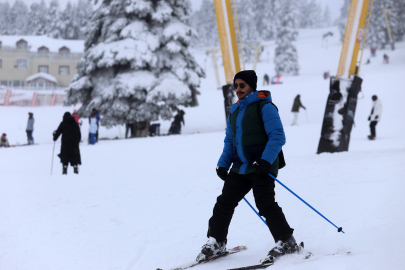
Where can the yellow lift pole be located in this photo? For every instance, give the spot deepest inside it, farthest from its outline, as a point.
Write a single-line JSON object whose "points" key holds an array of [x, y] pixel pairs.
{"points": [[354, 37], [227, 38]]}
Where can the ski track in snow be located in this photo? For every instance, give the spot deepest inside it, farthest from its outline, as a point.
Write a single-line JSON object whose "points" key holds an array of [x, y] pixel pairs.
{"points": [[145, 203]]}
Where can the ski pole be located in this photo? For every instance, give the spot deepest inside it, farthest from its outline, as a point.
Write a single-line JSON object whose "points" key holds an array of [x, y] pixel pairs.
{"points": [[339, 228], [53, 152], [306, 115], [255, 210]]}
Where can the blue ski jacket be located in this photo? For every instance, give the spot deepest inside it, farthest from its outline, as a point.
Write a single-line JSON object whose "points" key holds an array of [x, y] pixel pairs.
{"points": [[272, 125]]}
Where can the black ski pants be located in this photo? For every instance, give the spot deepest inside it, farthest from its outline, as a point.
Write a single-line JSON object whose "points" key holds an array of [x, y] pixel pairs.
{"points": [[372, 127], [236, 186]]}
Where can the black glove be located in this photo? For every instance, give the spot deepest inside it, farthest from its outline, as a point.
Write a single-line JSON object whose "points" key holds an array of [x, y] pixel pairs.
{"points": [[263, 168], [222, 173], [54, 135], [369, 118], [376, 117]]}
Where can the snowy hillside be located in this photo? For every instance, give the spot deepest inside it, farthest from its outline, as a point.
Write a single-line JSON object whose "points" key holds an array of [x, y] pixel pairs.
{"points": [[145, 203]]}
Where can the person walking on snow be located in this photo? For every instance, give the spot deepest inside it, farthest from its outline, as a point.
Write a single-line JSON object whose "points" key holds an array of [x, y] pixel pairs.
{"points": [[295, 109], [69, 150], [253, 141], [98, 120], [93, 127], [4, 141], [375, 116], [30, 128], [75, 115]]}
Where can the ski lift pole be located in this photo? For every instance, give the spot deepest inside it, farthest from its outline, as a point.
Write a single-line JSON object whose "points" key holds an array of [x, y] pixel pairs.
{"points": [[254, 210], [339, 228]]}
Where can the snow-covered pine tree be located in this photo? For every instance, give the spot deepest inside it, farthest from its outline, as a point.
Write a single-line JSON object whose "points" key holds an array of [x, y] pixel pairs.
{"points": [[248, 27], [326, 18], [53, 20], [36, 19], [67, 26], [136, 65], [4, 10], [83, 12], [204, 21], [286, 55], [265, 18], [344, 13], [17, 18]]}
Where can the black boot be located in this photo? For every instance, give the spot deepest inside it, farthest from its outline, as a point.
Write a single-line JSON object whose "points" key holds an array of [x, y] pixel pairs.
{"points": [[282, 247], [76, 169], [64, 169]]}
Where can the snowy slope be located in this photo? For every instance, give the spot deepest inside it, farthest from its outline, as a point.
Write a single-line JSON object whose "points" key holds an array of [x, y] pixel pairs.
{"points": [[145, 203]]}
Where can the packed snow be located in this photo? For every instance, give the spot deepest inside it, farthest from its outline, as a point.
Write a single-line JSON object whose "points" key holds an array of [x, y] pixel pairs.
{"points": [[144, 203]]}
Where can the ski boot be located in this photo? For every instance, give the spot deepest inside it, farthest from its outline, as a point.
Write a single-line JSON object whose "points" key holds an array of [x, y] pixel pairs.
{"points": [[281, 248], [76, 169], [371, 137], [212, 248], [64, 171]]}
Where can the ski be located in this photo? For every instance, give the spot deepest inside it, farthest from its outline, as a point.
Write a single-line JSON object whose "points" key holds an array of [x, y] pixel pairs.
{"points": [[228, 252], [265, 265]]}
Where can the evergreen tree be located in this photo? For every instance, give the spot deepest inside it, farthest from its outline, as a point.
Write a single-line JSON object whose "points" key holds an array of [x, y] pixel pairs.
{"points": [[136, 65], [248, 27], [68, 24], [344, 14], [53, 20], [4, 10], [17, 18], [265, 18], [205, 22], [83, 12], [37, 20], [326, 18], [286, 55]]}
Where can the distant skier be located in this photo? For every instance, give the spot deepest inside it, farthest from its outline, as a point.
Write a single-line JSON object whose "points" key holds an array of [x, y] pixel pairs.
{"points": [[69, 150], [75, 115], [386, 59], [276, 79], [97, 113], [154, 130], [30, 128], [129, 127], [93, 127], [4, 141], [266, 79], [253, 142], [175, 128], [295, 109], [375, 116]]}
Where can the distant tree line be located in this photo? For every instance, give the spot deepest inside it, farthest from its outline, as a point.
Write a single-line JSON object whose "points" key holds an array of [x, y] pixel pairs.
{"points": [[40, 19], [377, 35], [258, 20]]}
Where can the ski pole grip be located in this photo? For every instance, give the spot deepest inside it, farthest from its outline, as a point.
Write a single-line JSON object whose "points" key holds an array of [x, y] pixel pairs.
{"points": [[340, 229]]}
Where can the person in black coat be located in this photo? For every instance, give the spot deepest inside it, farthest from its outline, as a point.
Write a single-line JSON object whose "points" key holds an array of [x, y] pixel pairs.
{"points": [[296, 107], [175, 128], [69, 151]]}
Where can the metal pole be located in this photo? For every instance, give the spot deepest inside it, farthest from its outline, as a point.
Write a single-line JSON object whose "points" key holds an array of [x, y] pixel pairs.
{"points": [[255, 211], [53, 152], [339, 228]]}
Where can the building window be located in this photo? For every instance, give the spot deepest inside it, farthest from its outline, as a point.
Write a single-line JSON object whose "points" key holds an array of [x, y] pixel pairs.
{"points": [[18, 83], [22, 44], [63, 70], [1, 62], [22, 63], [64, 51], [43, 51], [44, 69]]}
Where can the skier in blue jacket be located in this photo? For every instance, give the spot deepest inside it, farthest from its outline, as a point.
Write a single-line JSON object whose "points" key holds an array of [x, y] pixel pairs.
{"points": [[253, 141]]}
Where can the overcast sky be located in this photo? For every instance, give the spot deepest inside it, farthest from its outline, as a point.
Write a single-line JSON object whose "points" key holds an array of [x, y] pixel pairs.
{"points": [[334, 5]]}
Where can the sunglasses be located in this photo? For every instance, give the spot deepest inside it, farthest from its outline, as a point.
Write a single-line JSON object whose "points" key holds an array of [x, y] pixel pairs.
{"points": [[241, 85]]}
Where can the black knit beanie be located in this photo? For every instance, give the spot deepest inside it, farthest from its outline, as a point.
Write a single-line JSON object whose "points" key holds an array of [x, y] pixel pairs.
{"points": [[249, 76]]}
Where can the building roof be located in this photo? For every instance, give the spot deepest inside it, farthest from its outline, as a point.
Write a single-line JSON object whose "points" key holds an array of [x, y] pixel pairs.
{"points": [[42, 75], [35, 42]]}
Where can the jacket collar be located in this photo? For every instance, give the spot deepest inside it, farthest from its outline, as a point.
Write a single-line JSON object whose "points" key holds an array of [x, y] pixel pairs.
{"points": [[252, 97]]}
